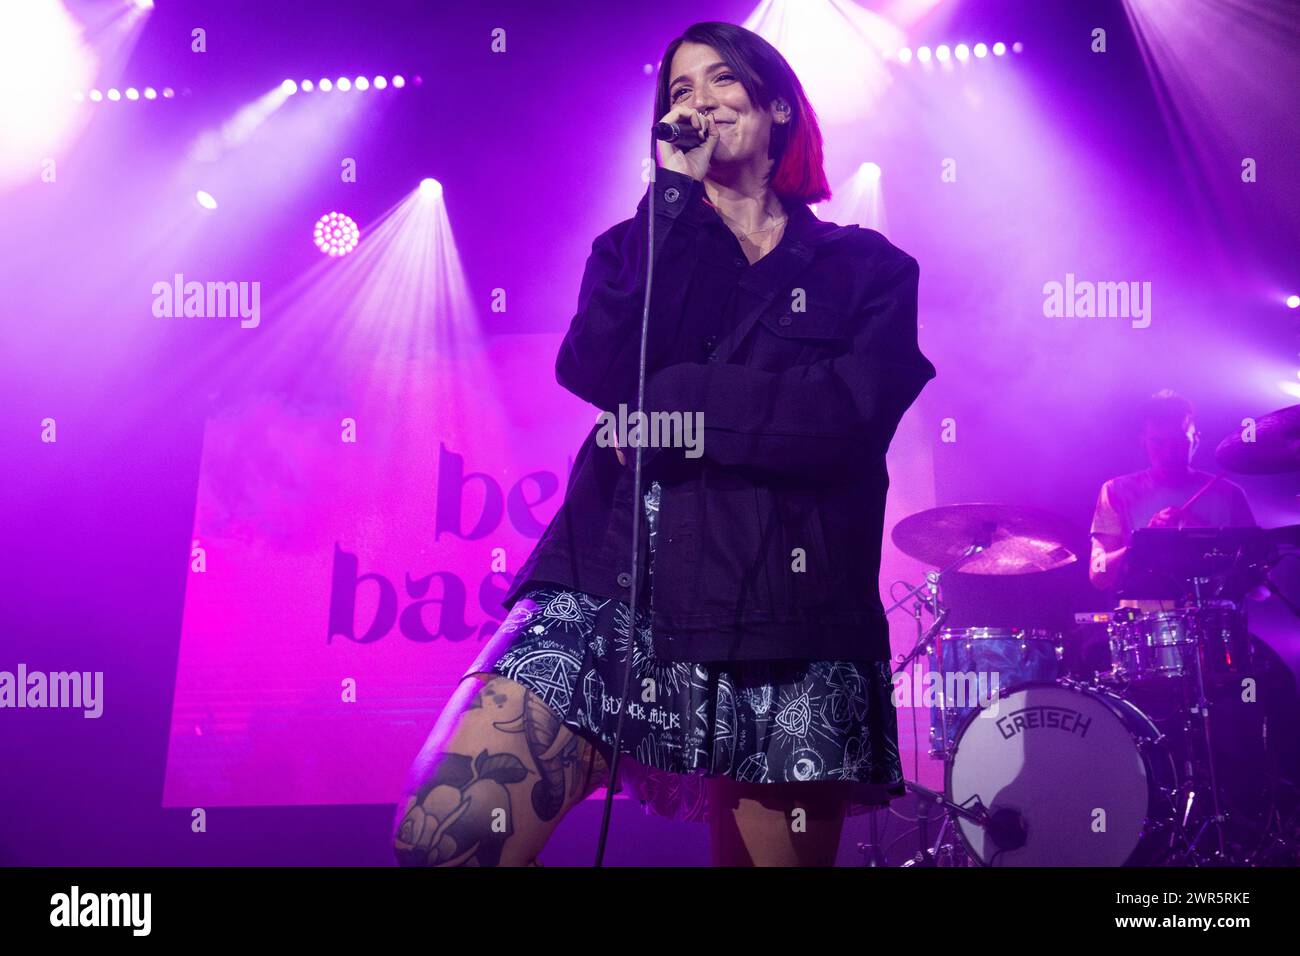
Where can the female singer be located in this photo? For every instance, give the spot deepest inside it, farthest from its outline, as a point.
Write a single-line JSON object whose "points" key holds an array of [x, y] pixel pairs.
{"points": [[761, 693]]}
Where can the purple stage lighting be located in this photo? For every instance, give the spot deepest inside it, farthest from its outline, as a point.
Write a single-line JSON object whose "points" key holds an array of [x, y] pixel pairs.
{"points": [[344, 84], [981, 50], [399, 81], [205, 199], [114, 95], [999, 48], [308, 86], [132, 93], [325, 85], [288, 87], [96, 96], [150, 93], [1293, 302], [361, 83], [336, 234], [380, 82]]}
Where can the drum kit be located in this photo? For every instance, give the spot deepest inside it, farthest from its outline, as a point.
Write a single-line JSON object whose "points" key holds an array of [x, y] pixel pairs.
{"points": [[1159, 752]]}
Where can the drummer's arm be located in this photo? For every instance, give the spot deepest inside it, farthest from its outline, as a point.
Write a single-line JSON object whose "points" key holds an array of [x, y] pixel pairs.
{"points": [[1106, 561]]}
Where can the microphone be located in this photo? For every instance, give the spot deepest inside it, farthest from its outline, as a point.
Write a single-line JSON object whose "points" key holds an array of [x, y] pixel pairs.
{"points": [[682, 135]]}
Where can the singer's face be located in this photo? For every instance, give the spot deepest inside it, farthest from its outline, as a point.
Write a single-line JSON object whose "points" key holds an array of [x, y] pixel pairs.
{"points": [[699, 78]]}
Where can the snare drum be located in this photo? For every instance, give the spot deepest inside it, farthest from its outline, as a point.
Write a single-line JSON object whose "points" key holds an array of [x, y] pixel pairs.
{"points": [[1069, 775], [1165, 644], [965, 661]]}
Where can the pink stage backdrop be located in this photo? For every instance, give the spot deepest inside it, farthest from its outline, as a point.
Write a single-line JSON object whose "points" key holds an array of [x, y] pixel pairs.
{"points": [[346, 586]]}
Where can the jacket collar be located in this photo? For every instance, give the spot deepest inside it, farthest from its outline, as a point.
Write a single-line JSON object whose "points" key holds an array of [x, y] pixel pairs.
{"points": [[778, 271]]}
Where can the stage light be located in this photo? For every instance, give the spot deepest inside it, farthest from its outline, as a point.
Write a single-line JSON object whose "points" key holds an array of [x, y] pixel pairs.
{"points": [[361, 83], [905, 55], [941, 53], [962, 52], [430, 188], [1293, 302], [168, 92], [150, 93], [96, 96], [981, 51], [114, 95], [398, 81], [325, 85], [132, 93], [1017, 47], [142, 4], [336, 234], [380, 82], [288, 87], [307, 86], [205, 199], [999, 48], [343, 84], [870, 172], [923, 54], [79, 96]]}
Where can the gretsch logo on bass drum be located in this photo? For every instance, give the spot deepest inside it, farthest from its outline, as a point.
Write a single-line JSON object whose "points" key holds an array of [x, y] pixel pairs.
{"points": [[1032, 718]]}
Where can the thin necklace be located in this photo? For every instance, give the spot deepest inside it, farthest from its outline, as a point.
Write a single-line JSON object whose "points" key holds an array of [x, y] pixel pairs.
{"points": [[746, 235]]}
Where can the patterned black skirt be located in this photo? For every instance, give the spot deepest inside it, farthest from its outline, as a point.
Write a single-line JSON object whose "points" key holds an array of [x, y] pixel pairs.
{"points": [[753, 721]]}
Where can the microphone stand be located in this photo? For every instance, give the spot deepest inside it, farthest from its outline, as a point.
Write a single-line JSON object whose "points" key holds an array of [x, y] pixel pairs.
{"points": [[612, 786]]}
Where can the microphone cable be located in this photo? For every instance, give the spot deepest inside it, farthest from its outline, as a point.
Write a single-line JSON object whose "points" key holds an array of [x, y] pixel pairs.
{"points": [[612, 784]]}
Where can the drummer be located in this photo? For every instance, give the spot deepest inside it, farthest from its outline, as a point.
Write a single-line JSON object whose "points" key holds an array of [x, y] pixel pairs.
{"points": [[1155, 496]]}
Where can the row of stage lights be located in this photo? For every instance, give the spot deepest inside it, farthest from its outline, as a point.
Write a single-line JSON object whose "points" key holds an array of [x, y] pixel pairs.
{"points": [[289, 87], [961, 52], [344, 84], [131, 94]]}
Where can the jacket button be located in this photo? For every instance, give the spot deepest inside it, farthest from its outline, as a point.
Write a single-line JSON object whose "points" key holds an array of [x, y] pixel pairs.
{"points": [[625, 580], [671, 194], [785, 320]]}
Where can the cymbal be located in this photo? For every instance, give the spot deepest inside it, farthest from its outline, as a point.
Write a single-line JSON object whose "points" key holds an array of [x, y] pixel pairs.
{"points": [[1017, 539], [1276, 447]]}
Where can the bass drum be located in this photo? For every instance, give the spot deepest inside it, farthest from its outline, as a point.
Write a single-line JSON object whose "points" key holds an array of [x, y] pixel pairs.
{"points": [[1071, 775]]}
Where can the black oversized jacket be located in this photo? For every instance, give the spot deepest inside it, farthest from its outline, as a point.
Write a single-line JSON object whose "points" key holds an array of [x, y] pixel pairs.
{"points": [[800, 402]]}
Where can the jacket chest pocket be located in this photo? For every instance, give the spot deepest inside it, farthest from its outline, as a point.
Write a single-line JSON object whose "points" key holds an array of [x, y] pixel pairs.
{"points": [[823, 330]]}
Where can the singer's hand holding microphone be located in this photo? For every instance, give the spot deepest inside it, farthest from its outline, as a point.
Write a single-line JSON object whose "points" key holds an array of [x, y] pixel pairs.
{"points": [[698, 137]]}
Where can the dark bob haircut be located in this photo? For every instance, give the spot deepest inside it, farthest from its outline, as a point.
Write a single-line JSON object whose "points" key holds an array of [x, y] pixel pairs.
{"points": [[796, 146]]}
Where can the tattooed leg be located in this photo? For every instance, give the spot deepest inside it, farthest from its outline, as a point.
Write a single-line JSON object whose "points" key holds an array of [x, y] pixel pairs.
{"points": [[493, 781]]}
